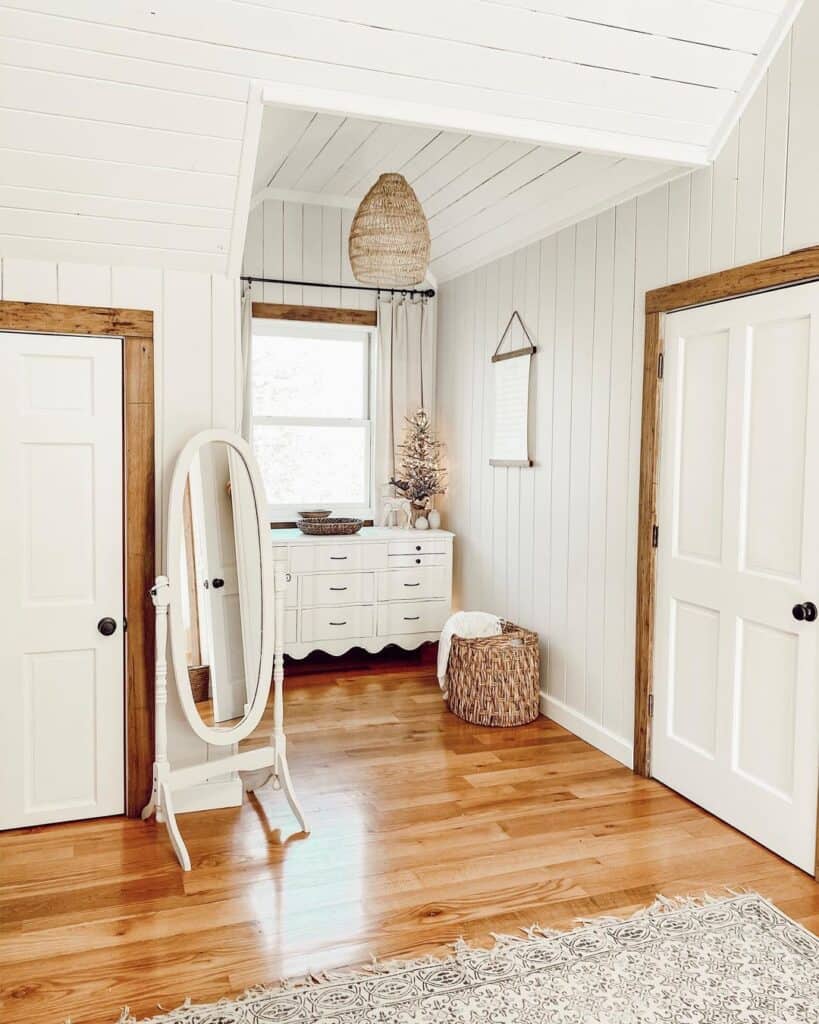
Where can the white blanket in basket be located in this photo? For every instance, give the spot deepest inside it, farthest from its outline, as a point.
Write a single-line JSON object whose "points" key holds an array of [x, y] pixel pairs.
{"points": [[467, 624]]}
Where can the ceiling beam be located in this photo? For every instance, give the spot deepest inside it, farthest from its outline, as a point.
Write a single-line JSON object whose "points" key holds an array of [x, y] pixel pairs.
{"points": [[481, 122], [244, 180], [291, 195], [754, 79]]}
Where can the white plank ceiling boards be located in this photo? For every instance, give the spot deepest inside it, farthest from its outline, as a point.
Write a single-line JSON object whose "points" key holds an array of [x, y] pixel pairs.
{"points": [[129, 130], [482, 195]]}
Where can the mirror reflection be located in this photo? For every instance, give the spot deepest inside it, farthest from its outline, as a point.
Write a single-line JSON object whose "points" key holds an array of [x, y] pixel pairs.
{"points": [[221, 585]]}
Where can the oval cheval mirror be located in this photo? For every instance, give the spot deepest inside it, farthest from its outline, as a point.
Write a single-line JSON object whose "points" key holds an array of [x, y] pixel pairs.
{"points": [[226, 611], [220, 589]]}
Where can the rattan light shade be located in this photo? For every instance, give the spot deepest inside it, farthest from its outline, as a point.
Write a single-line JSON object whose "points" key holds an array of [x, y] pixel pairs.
{"points": [[389, 236]]}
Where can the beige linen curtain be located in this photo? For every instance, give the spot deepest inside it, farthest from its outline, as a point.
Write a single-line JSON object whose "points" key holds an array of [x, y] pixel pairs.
{"points": [[405, 379]]}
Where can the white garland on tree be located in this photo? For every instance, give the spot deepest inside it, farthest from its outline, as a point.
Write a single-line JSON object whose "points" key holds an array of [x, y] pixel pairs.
{"points": [[421, 474]]}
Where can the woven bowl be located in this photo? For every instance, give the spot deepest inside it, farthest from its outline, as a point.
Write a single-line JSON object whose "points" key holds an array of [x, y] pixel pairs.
{"points": [[315, 515], [330, 527]]}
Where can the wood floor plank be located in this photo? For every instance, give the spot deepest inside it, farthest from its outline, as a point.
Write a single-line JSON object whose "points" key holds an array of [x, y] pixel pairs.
{"points": [[426, 829]]}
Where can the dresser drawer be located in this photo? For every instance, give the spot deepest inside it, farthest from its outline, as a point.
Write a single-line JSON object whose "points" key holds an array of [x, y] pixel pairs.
{"points": [[331, 588], [412, 617], [325, 557], [291, 626], [417, 547], [413, 584], [405, 561], [336, 623]]}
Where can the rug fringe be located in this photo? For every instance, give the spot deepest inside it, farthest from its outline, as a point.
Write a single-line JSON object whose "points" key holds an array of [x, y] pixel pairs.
{"points": [[212, 1013]]}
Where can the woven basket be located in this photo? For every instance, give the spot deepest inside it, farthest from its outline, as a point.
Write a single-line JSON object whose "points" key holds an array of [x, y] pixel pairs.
{"points": [[495, 680], [329, 527], [389, 237]]}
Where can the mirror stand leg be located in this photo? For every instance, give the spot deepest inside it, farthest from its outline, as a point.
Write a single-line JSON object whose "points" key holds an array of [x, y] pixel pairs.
{"points": [[177, 842], [282, 775], [152, 807], [254, 780], [160, 599]]}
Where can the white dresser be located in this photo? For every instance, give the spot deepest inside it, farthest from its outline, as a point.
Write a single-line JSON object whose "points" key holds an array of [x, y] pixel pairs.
{"points": [[380, 586]]}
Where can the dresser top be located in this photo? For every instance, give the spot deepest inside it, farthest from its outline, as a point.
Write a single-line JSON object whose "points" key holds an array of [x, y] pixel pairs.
{"points": [[365, 534]]}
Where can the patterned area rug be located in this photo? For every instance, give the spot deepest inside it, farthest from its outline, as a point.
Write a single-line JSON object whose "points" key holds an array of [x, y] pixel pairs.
{"points": [[736, 960]]}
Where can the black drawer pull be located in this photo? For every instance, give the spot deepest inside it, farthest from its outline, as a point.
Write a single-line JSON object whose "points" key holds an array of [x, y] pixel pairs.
{"points": [[412, 584], [338, 588], [338, 558], [344, 623], [411, 618], [417, 547]]}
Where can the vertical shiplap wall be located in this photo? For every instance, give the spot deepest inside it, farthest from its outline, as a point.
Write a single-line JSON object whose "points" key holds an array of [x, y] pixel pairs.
{"points": [[196, 367], [303, 243], [554, 547]]}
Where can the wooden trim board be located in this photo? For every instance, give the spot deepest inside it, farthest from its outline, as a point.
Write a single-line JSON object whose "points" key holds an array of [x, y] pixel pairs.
{"points": [[794, 268], [315, 314], [135, 327], [646, 552], [499, 357], [791, 269]]}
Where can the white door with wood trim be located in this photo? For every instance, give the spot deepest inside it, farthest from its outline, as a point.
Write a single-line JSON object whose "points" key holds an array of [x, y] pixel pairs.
{"points": [[61, 550], [736, 711]]}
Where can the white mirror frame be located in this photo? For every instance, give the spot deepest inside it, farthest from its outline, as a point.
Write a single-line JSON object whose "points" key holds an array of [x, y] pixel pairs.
{"points": [[209, 734], [261, 764]]}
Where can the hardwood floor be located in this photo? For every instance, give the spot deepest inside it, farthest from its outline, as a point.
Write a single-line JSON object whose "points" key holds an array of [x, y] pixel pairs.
{"points": [[425, 829]]}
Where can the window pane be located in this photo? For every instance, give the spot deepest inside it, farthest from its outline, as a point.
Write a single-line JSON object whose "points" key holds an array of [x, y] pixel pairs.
{"points": [[308, 377], [310, 466]]}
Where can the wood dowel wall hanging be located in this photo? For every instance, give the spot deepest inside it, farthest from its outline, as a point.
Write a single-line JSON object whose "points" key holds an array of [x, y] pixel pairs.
{"points": [[510, 391]]}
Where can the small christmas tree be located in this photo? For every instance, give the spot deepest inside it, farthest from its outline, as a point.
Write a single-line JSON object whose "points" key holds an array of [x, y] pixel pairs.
{"points": [[421, 474]]}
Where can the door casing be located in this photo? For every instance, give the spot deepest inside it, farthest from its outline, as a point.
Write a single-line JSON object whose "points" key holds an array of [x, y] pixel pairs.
{"points": [[135, 328], [781, 272]]}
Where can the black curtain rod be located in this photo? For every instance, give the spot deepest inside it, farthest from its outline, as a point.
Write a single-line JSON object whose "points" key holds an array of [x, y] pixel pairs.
{"points": [[427, 293]]}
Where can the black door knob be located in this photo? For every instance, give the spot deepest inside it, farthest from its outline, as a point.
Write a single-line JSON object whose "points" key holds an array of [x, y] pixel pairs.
{"points": [[805, 612], [107, 626], [217, 583]]}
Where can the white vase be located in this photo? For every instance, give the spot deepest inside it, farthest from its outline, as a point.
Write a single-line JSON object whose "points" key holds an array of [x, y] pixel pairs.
{"points": [[434, 519], [421, 523]]}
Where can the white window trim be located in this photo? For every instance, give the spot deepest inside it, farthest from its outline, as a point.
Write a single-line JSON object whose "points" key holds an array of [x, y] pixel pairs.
{"points": [[334, 331]]}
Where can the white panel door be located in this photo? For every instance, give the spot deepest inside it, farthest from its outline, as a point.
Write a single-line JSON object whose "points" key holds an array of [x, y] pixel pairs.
{"points": [[61, 549], [735, 691]]}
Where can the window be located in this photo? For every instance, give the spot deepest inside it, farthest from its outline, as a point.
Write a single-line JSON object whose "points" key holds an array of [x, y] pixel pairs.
{"points": [[311, 390]]}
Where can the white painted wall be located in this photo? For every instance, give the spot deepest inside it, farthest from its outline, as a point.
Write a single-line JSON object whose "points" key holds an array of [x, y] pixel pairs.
{"points": [[554, 547], [302, 242], [196, 352]]}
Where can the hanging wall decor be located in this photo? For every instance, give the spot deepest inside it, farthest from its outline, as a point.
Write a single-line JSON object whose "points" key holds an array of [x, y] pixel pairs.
{"points": [[389, 237], [510, 391]]}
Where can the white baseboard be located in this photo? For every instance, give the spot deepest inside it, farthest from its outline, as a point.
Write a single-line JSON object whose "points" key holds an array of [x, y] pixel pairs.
{"points": [[209, 795], [600, 737]]}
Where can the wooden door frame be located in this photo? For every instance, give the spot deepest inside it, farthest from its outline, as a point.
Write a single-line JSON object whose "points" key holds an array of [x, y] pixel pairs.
{"points": [[794, 268], [135, 328]]}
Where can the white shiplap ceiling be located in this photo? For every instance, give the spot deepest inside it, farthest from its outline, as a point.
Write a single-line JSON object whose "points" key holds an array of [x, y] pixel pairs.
{"points": [[127, 135], [482, 195]]}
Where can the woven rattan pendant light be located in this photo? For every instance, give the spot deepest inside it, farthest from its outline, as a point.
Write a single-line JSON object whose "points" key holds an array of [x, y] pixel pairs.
{"points": [[389, 236]]}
